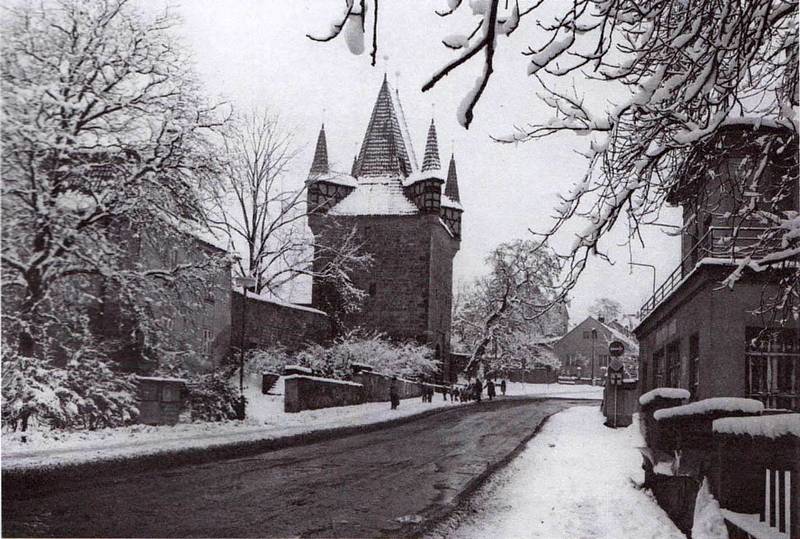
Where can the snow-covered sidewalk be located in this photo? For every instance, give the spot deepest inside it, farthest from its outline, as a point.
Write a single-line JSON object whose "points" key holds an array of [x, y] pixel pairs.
{"points": [[575, 479]]}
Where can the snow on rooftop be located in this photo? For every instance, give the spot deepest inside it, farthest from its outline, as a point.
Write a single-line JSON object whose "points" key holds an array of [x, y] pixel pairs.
{"points": [[278, 302], [768, 426], [708, 406], [339, 178], [419, 175], [448, 202], [664, 393], [376, 196]]}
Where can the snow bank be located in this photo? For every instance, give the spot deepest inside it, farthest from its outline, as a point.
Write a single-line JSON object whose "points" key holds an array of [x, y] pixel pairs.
{"points": [[708, 406], [708, 521], [769, 426], [266, 420], [664, 393], [556, 391], [298, 368], [552, 490]]}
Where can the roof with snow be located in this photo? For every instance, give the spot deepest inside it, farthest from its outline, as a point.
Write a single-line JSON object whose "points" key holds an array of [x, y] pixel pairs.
{"points": [[451, 187], [380, 196], [385, 149], [385, 165]]}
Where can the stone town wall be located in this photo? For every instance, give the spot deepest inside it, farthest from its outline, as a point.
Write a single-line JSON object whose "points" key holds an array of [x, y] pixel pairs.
{"points": [[376, 386], [271, 323], [311, 393]]}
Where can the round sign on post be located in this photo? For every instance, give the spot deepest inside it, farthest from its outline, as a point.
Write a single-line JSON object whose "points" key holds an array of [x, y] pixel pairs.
{"points": [[616, 348]]}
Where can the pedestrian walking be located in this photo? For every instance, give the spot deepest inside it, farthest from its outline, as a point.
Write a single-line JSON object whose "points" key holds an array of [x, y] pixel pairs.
{"points": [[394, 394], [490, 389], [503, 387], [478, 389]]}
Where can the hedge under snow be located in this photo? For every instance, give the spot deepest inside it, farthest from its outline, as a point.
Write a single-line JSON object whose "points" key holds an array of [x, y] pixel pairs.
{"points": [[769, 426], [664, 393], [708, 406]]}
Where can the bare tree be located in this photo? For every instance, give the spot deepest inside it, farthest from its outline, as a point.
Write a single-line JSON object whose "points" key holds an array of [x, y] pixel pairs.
{"points": [[252, 205], [685, 70], [105, 135]]}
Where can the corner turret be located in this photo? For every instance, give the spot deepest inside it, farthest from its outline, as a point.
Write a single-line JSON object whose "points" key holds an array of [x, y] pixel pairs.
{"points": [[451, 209]]}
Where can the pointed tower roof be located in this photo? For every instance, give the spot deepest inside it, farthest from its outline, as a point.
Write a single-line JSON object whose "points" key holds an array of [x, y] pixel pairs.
{"points": [[451, 187], [384, 149], [431, 159], [320, 163]]}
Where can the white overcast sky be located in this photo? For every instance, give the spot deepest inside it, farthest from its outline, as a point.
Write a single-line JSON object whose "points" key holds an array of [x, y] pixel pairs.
{"points": [[255, 53]]}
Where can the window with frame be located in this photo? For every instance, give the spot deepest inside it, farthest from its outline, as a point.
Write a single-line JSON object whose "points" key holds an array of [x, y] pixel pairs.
{"points": [[772, 367], [694, 365], [658, 368], [674, 364], [207, 341]]}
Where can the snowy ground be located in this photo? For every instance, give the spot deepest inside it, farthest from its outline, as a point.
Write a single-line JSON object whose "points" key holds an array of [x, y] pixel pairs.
{"points": [[265, 420], [555, 390], [575, 479]]}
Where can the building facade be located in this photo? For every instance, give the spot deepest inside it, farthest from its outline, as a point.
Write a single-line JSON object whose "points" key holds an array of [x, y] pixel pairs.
{"points": [[715, 340], [407, 216], [587, 344]]}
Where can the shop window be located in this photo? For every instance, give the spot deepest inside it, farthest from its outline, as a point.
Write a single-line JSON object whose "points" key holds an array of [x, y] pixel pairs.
{"points": [[772, 367]]}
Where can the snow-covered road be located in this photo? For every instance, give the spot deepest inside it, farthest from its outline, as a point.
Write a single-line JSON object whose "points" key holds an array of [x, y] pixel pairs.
{"points": [[575, 479]]}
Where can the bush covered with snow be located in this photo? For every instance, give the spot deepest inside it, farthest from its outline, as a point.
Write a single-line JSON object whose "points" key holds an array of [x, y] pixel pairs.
{"points": [[212, 396], [272, 359], [85, 394], [406, 359], [732, 405], [770, 426], [663, 393]]}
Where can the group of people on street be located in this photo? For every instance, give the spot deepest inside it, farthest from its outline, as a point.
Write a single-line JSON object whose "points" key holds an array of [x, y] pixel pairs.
{"points": [[465, 393]]}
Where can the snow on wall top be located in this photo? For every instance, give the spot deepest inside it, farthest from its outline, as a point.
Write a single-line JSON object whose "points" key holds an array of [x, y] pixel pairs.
{"points": [[664, 393], [161, 379], [318, 379], [768, 426], [280, 303], [707, 406], [381, 196]]}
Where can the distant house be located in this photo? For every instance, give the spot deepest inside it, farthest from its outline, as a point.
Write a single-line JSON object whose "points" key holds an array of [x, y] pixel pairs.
{"points": [[583, 351]]}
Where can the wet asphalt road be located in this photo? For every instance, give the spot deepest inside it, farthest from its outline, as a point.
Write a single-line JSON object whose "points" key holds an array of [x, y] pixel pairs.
{"points": [[394, 481]]}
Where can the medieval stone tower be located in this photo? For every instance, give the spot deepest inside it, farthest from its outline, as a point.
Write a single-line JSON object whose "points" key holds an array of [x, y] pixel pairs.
{"points": [[408, 218]]}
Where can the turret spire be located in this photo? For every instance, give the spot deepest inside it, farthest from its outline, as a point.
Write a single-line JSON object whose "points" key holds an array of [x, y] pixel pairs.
{"points": [[320, 163], [431, 159], [384, 149], [451, 187]]}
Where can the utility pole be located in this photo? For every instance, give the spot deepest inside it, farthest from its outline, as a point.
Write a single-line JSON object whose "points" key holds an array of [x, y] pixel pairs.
{"points": [[245, 282], [594, 341]]}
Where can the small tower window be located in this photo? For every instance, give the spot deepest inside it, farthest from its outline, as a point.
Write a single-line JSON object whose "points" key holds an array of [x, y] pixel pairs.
{"points": [[372, 289]]}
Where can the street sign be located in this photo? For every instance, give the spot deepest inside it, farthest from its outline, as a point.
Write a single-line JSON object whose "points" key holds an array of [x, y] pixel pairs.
{"points": [[616, 372], [616, 348]]}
